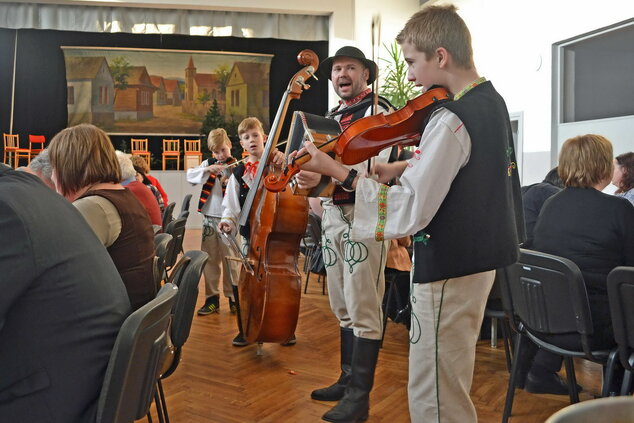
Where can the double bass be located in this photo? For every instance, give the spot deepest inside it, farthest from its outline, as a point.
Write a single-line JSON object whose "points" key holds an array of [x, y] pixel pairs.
{"points": [[270, 283]]}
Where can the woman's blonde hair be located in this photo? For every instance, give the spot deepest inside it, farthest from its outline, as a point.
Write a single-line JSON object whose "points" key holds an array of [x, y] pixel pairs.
{"points": [[217, 139], [83, 155], [439, 26], [248, 124], [585, 161], [139, 161]]}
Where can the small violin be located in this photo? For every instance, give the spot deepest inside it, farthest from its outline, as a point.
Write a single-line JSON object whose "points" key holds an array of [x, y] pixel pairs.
{"points": [[368, 136]]}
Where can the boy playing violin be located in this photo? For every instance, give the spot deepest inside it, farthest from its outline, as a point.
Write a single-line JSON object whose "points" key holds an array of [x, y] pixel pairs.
{"points": [[210, 205], [460, 198], [252, 138]]}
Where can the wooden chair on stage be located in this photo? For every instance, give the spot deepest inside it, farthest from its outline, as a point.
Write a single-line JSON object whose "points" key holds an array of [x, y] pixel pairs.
{"points": [[193, 156], [12, 147], [139, 148], [172, 151], [36, 145]]}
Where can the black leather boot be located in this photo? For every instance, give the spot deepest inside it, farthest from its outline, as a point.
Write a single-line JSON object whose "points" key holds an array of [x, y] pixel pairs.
{"points": [[355, 404], [239, 340], [335, 391]]}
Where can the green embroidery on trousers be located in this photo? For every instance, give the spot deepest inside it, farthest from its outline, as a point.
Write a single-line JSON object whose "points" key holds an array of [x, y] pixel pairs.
{"points": [[353, 252], [328, 255]]}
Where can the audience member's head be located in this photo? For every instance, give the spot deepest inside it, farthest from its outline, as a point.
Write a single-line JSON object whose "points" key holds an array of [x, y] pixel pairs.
{"points": [[141, 176], [552, 178], [41, 167], [82, 156], [585, 161], [139, 161], [127, 168], [623, 176]]}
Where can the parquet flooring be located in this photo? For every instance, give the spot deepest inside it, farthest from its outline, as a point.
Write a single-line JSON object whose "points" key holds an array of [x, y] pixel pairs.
{"points": [[219, 383]]}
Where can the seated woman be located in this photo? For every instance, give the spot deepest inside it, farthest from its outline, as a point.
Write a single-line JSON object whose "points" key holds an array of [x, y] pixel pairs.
{"points": [[623, 176], [130, 180], [86, 171], [594, 230]]}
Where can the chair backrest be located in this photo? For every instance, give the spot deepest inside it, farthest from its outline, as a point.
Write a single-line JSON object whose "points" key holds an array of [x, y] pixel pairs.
{"points": [[185, 206], [188, 294], [133, 368], [162, 243], [11, 141], [168, 213], [176, 228], [549, 295], [192, 146], [183, 312], [314, 228], [138, 144], [37, 139], [621, 297], [171, 145]]}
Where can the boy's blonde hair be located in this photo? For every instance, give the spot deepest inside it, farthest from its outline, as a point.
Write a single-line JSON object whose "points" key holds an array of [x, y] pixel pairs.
{"points": [[140, 162], [585, 161], [439, 26], [82, 156], [217, 139], [249, 124]]}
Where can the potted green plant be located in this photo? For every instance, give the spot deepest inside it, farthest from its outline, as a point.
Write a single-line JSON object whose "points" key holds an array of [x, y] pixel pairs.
{"points": [[394, 84]]}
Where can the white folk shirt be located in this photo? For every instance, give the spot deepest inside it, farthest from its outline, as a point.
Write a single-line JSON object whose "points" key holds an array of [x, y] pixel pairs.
{"points": [[231, 203], [198, 175], [444, 149]]}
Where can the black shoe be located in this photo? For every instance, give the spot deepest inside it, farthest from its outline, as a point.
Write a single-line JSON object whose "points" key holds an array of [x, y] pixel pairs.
{"points": [[291, 341], [239, 341], [212, 305], [549, 383], [232, 306]]}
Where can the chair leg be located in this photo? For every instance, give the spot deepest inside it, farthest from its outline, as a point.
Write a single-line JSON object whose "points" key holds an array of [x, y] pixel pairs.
{"points": [[159, 410], [506, 335], [572, 380], [307, 277], [163, 402], [610, 368], [494, 332], [510, 393]]}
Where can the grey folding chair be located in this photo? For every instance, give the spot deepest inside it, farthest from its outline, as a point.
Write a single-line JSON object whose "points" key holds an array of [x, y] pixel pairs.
{"points": [[133, 369]]}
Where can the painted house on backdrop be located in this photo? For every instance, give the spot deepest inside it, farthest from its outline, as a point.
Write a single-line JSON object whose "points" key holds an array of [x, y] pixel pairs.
{"points": [[160, 95], [247, 91], [90, 91], [135, 101], [173, 91], [200, 91]]}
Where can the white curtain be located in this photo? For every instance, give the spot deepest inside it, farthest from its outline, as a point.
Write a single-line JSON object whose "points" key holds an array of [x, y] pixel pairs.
{"points": [[163, 21]]}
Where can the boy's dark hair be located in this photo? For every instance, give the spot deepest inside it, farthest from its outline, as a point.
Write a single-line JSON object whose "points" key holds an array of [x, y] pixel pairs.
{"points": [[552, 178]]}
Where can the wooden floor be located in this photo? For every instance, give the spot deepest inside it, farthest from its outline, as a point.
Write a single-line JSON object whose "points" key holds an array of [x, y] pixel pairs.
{"points": [[219, 383]]}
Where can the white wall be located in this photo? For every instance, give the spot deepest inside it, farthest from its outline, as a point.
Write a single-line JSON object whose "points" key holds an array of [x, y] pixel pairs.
{"points": [[512, 43]]}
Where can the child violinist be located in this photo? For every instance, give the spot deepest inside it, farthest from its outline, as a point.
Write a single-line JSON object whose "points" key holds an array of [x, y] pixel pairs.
{"points": [[460, 199], [252, 138], [211, 172]]}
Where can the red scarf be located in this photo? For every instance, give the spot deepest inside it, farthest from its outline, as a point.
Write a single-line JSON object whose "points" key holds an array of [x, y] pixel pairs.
{"points": [[250, 168]]}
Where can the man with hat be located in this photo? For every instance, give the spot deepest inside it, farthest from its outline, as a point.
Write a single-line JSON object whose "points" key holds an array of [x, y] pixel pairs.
{"points": [[356, 280]]}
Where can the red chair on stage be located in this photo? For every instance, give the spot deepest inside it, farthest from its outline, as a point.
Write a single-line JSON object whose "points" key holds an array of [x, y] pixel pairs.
{"points": [[36, 145]]}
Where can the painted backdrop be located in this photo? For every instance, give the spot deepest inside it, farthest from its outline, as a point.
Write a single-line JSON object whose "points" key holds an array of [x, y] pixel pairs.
{"points": [[145, 91]]}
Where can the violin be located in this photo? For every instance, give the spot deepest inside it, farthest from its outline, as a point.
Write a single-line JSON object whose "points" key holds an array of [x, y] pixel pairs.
{"points": [[270, 283], [368, 136]]}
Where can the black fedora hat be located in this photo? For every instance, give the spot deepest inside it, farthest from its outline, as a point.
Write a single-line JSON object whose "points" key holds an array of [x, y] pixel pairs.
{"points": [[353, 52]]}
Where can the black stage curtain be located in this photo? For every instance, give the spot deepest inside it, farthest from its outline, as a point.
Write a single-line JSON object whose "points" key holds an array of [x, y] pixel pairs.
{"points": [[40, 85]]}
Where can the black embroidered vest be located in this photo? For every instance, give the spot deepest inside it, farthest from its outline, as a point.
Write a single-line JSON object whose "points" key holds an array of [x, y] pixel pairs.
{"points": [[480, 223]]}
